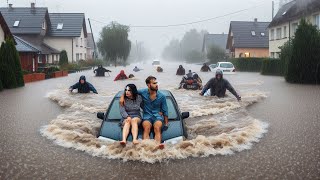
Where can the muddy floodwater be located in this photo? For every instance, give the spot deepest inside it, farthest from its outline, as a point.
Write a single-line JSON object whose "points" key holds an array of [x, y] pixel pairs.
{"points": [[48, 133]]}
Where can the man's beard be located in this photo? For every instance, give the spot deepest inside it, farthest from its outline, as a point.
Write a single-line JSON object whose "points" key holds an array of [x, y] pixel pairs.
{"points": [[153, 89]]}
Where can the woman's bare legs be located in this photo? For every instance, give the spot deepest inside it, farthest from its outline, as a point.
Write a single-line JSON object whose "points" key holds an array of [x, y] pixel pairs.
{"points": [[125, 131], [134, 129]]}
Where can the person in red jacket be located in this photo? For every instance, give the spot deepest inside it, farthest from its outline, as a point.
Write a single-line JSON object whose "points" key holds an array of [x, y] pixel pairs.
{"points": [[121, 76]]}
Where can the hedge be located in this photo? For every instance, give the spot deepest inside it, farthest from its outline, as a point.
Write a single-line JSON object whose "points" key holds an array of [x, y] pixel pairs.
{"points": [[273, 67], [248, 64]]}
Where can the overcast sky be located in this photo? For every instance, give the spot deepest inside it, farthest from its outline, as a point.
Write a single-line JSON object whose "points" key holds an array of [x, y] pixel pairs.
{"points": [[159, 12]]}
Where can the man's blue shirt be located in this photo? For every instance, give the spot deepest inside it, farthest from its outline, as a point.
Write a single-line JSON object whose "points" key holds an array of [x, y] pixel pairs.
{"points": [[151, 108]]}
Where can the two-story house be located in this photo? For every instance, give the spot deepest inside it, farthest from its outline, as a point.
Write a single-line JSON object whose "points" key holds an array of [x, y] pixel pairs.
{"points": [[31, 25], [68, 32], [286, 21], [248, 39]]}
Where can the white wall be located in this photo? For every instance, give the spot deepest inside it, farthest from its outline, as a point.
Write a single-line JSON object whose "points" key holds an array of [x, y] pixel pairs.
{"points": [[2, 38], [61, 43], [79, 47]]}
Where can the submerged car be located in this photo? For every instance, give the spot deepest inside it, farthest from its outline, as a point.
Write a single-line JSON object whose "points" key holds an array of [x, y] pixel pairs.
{"points": [[225, 67], [111, 129], [156, 63]]}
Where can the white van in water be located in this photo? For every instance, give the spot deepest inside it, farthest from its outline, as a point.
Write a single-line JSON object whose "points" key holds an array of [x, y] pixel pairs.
{"points": [[156, 63]]}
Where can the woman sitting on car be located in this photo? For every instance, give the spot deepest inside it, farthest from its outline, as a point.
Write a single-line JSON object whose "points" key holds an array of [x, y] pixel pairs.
{"points": [[130, 113]]}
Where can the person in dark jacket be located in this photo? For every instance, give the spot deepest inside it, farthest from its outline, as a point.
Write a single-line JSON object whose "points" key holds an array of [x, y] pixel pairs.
{"points": [[121, 76], [218, 86], [136, 69], [181, 71], [100, 71], [83, 86], [205, 68]]}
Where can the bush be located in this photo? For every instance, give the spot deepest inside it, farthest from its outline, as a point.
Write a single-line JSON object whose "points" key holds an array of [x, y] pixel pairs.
{"points": [[303, 65], [16, 66], [1, 87], [7, 72], [216, 54], [248, 64], [63, 58], [24, 72], [70, 67], [273, 67]]}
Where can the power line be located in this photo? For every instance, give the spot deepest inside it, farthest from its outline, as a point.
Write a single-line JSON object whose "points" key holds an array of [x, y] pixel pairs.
{"points": [[188, 23]]}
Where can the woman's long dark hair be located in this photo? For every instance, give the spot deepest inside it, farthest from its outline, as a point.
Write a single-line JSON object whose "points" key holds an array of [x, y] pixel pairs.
{"points": [[133, 89]]}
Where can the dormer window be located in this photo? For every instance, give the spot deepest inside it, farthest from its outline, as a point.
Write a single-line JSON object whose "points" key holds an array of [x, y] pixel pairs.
{"points": [[60, 26], [16, 23], [253, 33], [44, 25], [284, 13], [263, 34]]}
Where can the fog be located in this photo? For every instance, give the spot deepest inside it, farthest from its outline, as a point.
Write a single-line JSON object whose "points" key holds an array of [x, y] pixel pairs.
{"points": [[159, 13]]}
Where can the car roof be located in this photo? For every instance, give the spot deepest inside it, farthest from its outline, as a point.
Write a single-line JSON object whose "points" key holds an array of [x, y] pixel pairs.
{"points": [[167, 93], [225, 62]]}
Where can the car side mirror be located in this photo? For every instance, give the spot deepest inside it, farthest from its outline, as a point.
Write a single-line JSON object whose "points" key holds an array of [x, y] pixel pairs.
{"points": [[185, 115], [100, 115]]}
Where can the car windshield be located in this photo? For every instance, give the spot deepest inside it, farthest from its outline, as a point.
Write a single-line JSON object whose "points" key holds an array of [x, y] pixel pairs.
{"points": [[114, 113], [226, 65], [213, 65]]}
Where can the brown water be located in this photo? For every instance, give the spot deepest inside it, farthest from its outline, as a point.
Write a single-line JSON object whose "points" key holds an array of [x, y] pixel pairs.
{"points": [[227, 138]]}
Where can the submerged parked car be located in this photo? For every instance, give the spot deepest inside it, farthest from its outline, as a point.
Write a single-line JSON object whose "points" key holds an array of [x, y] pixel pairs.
{"points": [[111, 130], [225, 67]]}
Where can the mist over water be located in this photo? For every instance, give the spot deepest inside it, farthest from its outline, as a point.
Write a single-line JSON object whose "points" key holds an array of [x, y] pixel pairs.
{"points": [[215, 127]]}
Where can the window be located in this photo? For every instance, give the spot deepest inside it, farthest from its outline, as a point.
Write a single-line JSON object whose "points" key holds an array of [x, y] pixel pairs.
{"points": [[16, 23], [44, 25], [226, 65], [247, 54], [272, 54], [81, 43], [272, 34], [40, 59], [57, 57], [285, 31], [80, 55], [60, 26], [317, 21], [253, 33], [294, 28], [85, 55], [77, 56], [284, 13], [263, 34], [279, 33], [77, 42]]}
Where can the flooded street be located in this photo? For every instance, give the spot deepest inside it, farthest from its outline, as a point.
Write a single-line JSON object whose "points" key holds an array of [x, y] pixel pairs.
{"points": [[47, 132]]}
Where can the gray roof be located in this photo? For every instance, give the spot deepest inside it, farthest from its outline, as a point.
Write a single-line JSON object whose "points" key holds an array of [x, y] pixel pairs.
{"points": [[219, 40], [244, 39], [30, 19], [24, 46], [37, 42], [90, 43], [73, 23], [295, 10]]}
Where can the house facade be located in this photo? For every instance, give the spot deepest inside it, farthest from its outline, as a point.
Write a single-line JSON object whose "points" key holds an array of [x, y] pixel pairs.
{"points": [[68, 32], [218, 40], [4, 30], [248, 39], [286, 21], [31, 25]]}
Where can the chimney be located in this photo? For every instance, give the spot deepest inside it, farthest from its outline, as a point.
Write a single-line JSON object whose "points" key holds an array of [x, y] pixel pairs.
{"points": [[255, 20], [10, 6], [33, 5]]}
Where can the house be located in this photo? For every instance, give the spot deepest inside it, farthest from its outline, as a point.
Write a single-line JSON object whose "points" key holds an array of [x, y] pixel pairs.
{"points": [[248, 39], [68, 32], [31, 24], [219, 40], [90, 47], [4, 30], [28, 54], [286, 21]]}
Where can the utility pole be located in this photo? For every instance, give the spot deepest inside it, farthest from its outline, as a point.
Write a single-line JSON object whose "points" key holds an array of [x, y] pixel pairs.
{"points": [[137, 50], [272, 9], [95, 54]]}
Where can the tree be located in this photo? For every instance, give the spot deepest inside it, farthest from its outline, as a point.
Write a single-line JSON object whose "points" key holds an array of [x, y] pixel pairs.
{"points": [[114, 43], [194, 56], [7, 74], [16, 66], [303, 65], [63, 58], [216, 54], [1, 87]]}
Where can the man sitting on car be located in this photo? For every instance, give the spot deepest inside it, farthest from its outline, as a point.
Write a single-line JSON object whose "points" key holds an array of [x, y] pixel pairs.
{"points": [[218, 86]]}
